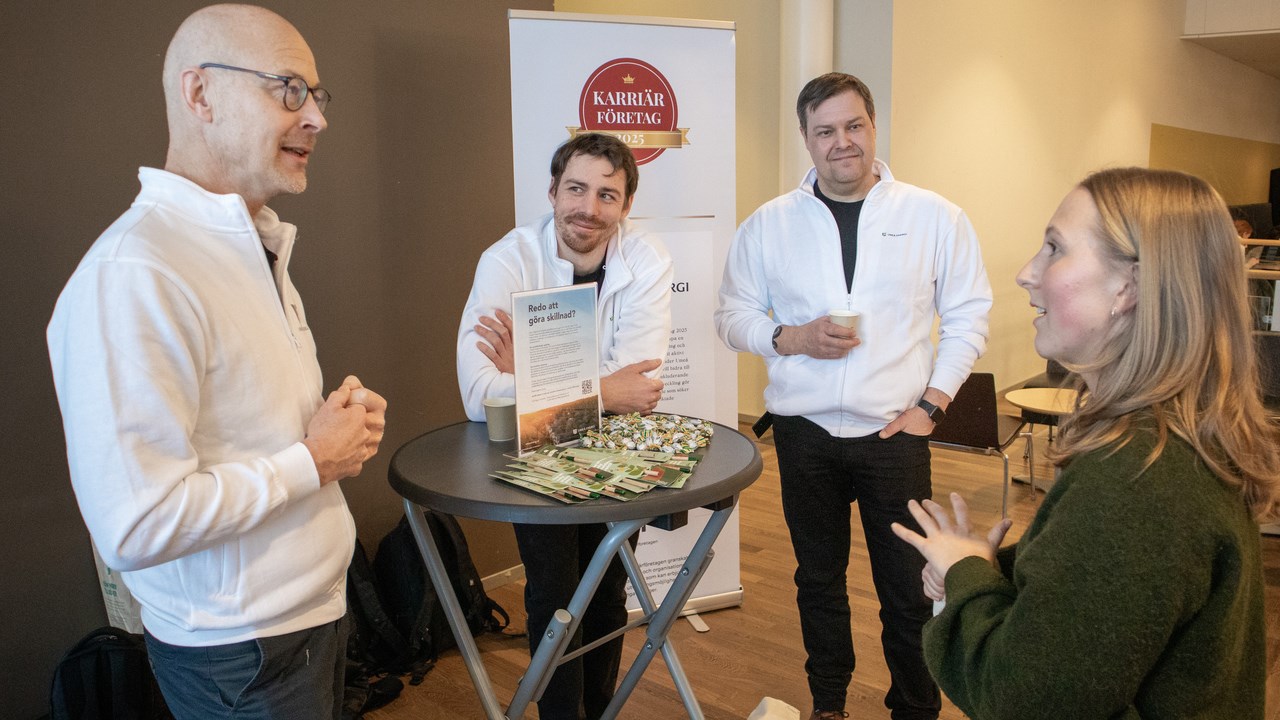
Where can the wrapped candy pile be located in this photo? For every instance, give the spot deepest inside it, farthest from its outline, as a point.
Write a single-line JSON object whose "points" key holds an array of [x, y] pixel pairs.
{"points": [[663, 433]]}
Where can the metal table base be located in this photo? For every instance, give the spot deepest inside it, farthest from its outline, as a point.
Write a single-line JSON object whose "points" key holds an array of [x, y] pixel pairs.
{"points": [[659, 618]]}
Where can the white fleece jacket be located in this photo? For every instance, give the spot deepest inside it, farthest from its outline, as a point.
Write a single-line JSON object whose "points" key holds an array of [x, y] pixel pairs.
{"points": [[186, 375], [633, 310], [918, 258]]}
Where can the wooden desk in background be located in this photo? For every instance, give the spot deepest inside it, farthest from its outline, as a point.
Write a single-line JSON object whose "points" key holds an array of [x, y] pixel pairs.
{"points": [[1046, 401], [1053, 402]]}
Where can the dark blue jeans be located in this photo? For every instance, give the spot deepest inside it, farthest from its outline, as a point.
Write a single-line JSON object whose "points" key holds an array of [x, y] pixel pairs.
{"points": [[554, 557], [821, 477], [299, 675]]}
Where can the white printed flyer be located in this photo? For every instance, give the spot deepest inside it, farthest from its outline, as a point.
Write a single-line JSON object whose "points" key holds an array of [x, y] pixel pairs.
{"points": [[557, 361]]}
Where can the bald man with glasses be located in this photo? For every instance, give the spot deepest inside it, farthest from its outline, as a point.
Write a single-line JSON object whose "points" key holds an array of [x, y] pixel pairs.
{"points": [[203, 452]]}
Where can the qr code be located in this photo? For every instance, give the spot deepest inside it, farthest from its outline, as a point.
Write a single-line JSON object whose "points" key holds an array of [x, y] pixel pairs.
{"points": [[586, 387]]}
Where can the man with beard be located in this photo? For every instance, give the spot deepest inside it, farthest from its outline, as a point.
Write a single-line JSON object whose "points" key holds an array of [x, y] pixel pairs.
{"points": [[584, 239], [852, 410], [204, 455]]}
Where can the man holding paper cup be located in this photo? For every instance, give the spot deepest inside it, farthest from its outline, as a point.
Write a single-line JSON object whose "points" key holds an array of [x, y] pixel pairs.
{"points": [[584, 239], [837, 284]]}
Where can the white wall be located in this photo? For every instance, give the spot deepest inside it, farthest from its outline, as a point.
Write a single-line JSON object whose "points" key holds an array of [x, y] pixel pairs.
{"points": [[1002, 107], [1231, 16], [864, 47]]}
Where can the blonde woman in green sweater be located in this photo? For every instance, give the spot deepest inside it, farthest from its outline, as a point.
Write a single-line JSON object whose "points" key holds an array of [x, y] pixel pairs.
{"points": [[1137, 590]]}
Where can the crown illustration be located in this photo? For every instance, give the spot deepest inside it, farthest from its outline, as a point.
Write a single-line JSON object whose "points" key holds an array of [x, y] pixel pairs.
{"points": [[628, 80]]}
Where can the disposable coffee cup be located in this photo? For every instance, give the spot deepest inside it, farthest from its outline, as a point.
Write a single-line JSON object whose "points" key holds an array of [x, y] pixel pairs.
{"points": [[847, 318], [500, 416]]}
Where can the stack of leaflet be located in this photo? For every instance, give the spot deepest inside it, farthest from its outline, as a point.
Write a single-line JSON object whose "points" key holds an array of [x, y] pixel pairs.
{"points": [[574, 474]]}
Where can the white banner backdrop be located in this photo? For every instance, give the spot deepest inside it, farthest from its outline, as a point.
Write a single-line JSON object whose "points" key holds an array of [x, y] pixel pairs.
{"points": [[666, 87]]}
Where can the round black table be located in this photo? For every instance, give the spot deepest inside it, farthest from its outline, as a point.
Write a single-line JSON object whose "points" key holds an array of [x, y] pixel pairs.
{"points": [[447, 470]]}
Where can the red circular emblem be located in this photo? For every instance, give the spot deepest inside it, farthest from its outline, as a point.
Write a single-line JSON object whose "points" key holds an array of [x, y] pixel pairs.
{"points": [[631, 100]]}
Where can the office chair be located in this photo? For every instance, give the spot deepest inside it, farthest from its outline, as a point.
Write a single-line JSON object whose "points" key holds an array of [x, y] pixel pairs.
{"points": [[973, 425]]}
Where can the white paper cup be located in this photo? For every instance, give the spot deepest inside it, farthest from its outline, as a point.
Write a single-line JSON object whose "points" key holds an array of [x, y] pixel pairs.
{"points": [[847, 318], [500, 416]]}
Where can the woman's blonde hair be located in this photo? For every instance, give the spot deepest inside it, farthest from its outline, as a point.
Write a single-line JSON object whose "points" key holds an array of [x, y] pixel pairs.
{"points": [[1184, 354]]}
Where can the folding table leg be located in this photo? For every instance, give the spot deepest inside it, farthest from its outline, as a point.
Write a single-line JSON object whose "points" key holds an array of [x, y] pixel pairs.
{"points": [[666, 615], [543, 664], [647, 605], [453, 611]]}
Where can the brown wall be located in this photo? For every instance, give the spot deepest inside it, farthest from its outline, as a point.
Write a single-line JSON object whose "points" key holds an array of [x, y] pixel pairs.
{"points": [[1238, 168], [409, 184]]}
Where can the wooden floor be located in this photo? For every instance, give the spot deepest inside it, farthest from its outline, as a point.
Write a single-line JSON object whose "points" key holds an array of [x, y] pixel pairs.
{"points": [[755, 651]]}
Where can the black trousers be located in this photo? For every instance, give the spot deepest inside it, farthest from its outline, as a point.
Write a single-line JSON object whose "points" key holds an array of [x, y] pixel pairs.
{"points": [[821, 477], [555, 557]]}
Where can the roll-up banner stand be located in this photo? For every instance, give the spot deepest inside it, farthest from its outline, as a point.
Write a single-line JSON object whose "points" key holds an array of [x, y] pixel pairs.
{"points": [[666, 88]]}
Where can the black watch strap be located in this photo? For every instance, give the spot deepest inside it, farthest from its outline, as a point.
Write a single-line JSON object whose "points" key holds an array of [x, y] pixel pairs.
{"points": [[776, 332], [935, 413]]}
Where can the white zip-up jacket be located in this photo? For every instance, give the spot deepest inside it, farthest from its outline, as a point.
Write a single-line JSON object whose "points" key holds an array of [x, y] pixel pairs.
{"points": [[918, 257], [186, 374], [633, 309]]}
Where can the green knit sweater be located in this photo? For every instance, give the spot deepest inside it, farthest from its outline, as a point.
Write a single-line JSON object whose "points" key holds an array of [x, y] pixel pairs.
{"points": [[1133, 594]]}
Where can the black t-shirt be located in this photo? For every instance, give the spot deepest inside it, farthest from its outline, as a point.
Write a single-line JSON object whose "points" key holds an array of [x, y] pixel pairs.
{"points": [[846, 215], [596, 277]]}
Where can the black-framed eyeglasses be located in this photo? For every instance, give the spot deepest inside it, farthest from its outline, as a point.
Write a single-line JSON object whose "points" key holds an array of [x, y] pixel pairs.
{"points": [[295, 88]]}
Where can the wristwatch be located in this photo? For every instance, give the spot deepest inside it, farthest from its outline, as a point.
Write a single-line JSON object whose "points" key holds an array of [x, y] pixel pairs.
{"points": [[776, 332], [935, 413]]}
